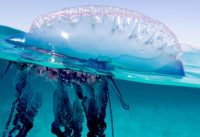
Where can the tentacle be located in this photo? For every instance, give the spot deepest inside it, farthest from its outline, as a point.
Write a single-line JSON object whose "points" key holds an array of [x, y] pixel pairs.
{"points": [[21, 112], [27, 108], [94, 104], [104, 101], [119, 95], [26, 105], [78, 116], [68, 112], [28, 119], [92, 121], [77, 119], [62, 111], [19, 88], [111, 115]]}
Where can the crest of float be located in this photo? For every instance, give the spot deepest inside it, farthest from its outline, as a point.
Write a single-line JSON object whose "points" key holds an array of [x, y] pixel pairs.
{"points": [[104, 40]]}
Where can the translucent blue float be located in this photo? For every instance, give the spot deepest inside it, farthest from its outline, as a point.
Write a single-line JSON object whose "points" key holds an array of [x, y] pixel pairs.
{"points": [[122, 43]]}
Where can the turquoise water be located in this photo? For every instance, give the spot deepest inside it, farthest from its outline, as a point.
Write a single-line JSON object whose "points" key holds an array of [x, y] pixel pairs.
{"points": [[160, 105], [155, 111]]}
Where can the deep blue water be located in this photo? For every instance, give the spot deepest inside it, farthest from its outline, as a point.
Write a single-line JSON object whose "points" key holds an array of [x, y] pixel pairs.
{"points": [[155, 111]]}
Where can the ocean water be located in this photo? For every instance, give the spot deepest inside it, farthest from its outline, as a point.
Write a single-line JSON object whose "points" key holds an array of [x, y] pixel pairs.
{"points": [[160, 106], [155, 110]]}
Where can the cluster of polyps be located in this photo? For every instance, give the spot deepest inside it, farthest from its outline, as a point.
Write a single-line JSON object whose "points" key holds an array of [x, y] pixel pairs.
{"points": [[67, 75]]}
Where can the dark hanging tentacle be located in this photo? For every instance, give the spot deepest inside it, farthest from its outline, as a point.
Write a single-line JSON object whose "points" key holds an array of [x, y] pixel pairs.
{"points": [[78, 117], [59, 108], [94, 104], [27, 118], [119, 95], [84, 104], [62, 107], [55, 129], [92, 115], [20, 114], [111, 115], [25, 104], [19, 88], [77, 123], [86, 99], [62, 111], [104, 102], [68, 112], [27, 108]]}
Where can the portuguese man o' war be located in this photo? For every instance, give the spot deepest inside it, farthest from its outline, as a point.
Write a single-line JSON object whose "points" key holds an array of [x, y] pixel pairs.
{"points": [[105, 38], [81, 50]]}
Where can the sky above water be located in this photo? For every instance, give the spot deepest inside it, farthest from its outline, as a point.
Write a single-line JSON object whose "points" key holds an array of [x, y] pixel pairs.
{"points": [[181, 16]]}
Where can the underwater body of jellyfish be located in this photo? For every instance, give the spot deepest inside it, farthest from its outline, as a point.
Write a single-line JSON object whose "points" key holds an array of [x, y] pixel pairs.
{"points": [[82, 49]]}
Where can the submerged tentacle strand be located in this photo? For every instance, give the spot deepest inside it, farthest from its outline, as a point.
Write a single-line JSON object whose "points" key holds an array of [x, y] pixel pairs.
{"points": [[68, 113], [27, 110], [95, 108], [119, 95], [26, 105], [19, 89]]}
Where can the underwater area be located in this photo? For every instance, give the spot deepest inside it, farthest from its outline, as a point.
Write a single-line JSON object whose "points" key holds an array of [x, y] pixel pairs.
{"points": [[155, 111], [129, 76]]}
